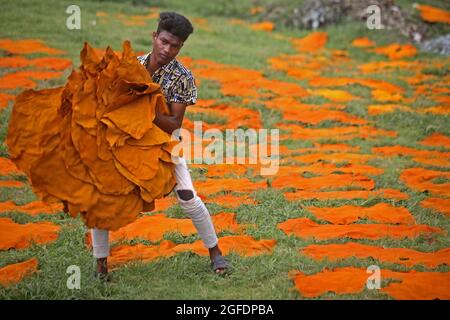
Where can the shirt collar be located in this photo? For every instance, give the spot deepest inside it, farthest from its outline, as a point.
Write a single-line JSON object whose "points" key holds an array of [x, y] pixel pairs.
{"points": [[165, 67]]}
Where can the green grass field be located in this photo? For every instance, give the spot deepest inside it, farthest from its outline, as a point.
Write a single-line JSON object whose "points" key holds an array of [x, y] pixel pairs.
{"points": [[187, 275]]}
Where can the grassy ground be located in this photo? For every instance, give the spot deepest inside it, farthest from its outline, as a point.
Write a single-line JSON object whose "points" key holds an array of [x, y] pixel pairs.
{"points": [[187, 276]]}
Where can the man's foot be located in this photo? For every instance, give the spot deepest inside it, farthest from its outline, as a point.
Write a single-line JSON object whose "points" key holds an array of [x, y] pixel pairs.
{"points": [[219, 264], [102, 269]]}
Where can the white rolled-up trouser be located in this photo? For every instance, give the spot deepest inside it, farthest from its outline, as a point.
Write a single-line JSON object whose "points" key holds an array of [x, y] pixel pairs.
{"points": [[194, 207]]}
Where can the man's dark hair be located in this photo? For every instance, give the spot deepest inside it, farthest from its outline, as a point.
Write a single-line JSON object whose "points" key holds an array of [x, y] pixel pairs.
{"points": [[176, 24]]}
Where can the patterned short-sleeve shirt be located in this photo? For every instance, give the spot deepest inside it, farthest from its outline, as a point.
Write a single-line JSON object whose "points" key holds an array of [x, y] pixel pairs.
{"points": [[176, 81]]}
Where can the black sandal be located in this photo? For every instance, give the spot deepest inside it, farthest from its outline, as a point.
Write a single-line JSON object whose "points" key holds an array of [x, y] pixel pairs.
{"points": [[220, 263]]}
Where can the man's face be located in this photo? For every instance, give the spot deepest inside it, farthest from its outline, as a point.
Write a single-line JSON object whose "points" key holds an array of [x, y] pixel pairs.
{"points": [[165, 46]]}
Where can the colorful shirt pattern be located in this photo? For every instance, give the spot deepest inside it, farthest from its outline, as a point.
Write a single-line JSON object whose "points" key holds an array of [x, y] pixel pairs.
{"points": [[176, 81]]}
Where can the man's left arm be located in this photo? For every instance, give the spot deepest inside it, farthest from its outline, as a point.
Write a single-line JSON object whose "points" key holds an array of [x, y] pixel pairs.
{"points": [[170, 123], [184, 93]]}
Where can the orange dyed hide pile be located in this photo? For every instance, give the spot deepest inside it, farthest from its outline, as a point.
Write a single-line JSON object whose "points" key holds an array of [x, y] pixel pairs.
{"points": [[92, 143]]}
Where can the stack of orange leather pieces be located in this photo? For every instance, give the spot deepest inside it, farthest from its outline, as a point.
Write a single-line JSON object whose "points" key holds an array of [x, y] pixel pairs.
{"points": [[92, 144]]}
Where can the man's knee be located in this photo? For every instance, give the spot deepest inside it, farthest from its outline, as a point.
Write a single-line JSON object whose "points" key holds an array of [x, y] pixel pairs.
{"points": [[185, 194]]}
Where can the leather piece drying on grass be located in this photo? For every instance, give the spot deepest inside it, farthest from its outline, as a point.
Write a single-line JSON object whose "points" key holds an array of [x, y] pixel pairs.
{"points": [[317, 116], [376, 109], [417, 285], [333, 95], [329, 147], [236, 81], [14, 273], [136, 20], [433, 14], [430, 90], [437, 158], [440, 162], [346, 81], [397, 51], [386, 96], [312, 42], [32, 208], [242, 245], [356, 158], [93, 143], [302, 74], [236, 116], [231, 201], [436, 140], [414, 285], [403, 256], [164, 203], [123, 254], [324, 168], [282, 151], [353, 194], [263, 26], [323, 182], [420, 179], [284, 104], [250, 87], [5, 98], [398, 150], [205, 103], [239, 117], [154, 227], [242, 185], [7, 167], [381, 212], [309, 66], [338, 133], [45, 62], [340, 281], [244, 158], [20, 236], [128, 20], [202, 24], [363, 42], [255, 10], [383, 66], [13, 81], [223, 73], [444, 100], [418, 78], [22, 79], [441, 110], [11, 184], [221, 170], [438, 204], [306, 228], [189, 127], [27, 46]]}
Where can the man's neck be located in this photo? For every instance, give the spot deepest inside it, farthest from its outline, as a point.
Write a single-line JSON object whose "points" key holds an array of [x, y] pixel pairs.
{"points": [[152, 65]]}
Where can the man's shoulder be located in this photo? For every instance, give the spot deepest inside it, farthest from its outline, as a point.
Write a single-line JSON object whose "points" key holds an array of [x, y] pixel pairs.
{"points": [[142, 58], [180, 68]]}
